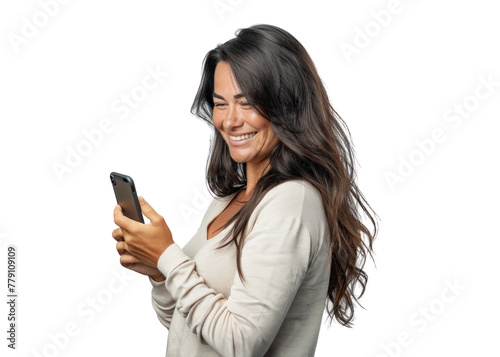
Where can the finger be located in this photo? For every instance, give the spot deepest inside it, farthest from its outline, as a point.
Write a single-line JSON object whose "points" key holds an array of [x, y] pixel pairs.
{"points": [[128, 259], [117, 234], [122, 248], [121, 221], [148, 211]]}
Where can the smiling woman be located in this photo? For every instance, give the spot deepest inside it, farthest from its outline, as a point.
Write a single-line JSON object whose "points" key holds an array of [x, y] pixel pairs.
{"points": [[248, 134], [283, 238]]}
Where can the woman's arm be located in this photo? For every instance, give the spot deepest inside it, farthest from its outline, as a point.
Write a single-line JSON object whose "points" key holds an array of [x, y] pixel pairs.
{"points": [[274, 263], [163, 302]]}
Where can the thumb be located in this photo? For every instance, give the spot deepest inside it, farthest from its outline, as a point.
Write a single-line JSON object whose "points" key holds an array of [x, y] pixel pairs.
{"points": [[148, 211]]}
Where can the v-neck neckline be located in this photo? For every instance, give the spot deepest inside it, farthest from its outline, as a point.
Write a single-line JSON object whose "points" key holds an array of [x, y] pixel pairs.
{"points": [[217, 214]]}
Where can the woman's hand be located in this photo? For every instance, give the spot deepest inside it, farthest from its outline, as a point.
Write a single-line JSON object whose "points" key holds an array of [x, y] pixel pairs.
{"points": [[130, 262], [145, 243]]}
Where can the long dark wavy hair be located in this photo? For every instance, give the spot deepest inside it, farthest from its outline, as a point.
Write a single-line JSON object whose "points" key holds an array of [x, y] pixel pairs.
{"points": [[278, 78]]}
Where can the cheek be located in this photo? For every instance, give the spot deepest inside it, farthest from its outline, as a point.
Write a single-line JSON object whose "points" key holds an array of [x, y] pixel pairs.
{"points": [[218, 125], [269, 136], [263, 125], [257, 121], [217, 122]]}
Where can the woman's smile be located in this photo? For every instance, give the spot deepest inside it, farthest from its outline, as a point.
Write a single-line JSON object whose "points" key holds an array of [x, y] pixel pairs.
{"points": [[241, 139]]}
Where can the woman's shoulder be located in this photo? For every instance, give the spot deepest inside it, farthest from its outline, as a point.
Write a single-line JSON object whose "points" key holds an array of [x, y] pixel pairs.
{"points": [[293, 198], [294, 191], [293, 206], [296, 186]]}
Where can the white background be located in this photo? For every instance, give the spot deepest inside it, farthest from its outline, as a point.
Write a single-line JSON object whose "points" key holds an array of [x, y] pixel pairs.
{"points": [[412, 66]]}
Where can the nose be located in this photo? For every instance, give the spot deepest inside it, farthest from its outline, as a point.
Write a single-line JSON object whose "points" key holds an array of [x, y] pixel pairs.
{"points": [[233, 118]]}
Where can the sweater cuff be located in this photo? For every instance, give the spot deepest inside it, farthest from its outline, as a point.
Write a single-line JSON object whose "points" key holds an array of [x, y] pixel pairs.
{"points": [[156, 283], [159, 291], [170, 259]]}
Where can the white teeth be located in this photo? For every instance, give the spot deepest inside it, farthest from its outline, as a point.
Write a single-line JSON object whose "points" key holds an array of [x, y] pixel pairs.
{"points": [[243, 137]]}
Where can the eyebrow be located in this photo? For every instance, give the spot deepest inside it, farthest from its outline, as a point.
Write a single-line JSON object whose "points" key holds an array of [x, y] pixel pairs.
{"points": [[236, 96]]}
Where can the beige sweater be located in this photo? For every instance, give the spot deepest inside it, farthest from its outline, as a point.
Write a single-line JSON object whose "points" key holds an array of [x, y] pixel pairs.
{"points": [[278, 309]]}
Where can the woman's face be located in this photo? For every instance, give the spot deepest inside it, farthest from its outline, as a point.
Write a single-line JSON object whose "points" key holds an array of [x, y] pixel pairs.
{"points": [[248, 134]]}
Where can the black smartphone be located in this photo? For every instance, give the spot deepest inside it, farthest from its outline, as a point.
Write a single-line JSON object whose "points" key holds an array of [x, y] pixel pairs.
{"points": [[126, 196]]}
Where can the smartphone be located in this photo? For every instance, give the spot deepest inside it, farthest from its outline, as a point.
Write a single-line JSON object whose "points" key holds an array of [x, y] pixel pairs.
{"points": [[126, 196]]}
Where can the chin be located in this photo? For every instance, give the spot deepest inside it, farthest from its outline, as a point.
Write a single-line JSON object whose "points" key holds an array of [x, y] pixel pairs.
{"points": [[240, 158]]}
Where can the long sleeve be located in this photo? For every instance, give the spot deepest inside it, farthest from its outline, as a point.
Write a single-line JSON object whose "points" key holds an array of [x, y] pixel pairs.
{"points": [[163, 302], [277, 253]]}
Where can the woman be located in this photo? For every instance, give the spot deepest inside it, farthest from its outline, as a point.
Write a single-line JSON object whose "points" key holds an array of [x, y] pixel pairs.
{"points": [[283, 234]]}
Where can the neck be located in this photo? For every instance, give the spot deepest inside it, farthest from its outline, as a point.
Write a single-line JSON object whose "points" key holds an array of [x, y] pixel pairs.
{"points": [[254, 172]]}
